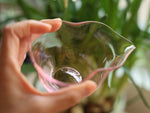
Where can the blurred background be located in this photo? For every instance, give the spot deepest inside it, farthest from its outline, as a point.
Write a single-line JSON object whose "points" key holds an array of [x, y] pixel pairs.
{"points": [[128, 89]]}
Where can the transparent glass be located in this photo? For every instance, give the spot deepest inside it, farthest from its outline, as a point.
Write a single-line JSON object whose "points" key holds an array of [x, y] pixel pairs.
{"points": [[77, 52]]}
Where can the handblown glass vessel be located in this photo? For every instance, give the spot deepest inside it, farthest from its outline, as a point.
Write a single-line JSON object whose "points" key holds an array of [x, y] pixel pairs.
{"points": [[77, 52]]}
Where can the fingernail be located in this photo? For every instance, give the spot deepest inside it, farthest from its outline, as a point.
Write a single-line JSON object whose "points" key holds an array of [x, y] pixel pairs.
{"points": [[47, 20], [57, 19]]}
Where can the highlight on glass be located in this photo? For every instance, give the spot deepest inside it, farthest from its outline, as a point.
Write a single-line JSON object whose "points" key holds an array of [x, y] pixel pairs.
{"points": [[77, 52]]}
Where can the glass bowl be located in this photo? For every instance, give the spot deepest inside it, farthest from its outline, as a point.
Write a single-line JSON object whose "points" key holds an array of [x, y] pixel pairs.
{"points": [[78, 52]]}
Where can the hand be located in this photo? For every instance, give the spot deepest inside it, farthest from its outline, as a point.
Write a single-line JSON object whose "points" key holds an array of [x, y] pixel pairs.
{"points": [[16, 94]]}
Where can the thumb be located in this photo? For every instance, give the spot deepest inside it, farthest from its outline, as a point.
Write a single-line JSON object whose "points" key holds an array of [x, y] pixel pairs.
{"points": [[65, 98]]}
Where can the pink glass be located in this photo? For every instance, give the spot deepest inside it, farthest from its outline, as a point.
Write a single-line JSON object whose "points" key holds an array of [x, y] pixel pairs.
{"points": [[78, 52]]}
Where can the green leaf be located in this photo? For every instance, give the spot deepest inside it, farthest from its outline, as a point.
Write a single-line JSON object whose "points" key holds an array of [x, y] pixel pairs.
{"points": [[48, 40], [131, 23], [70, 11], [110, 79], [111, 9], [89, 10], [27, 68], [29, 11], [12, 2], [54, 8]]}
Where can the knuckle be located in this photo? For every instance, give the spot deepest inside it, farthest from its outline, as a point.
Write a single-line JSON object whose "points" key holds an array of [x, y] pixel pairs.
{"points": [[6, 28], [30, 22]]}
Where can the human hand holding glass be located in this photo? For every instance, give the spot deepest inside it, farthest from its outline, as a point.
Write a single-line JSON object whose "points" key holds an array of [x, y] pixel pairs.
{"points": [[16, 95]]}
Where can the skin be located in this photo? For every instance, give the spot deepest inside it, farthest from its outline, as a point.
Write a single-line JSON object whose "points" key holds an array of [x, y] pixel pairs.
{"points": [[16, 94]]}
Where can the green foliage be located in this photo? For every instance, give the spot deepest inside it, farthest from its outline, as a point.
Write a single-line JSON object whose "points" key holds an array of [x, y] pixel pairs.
{"points": [[29, 11], [123, 20], [26, 68]]}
